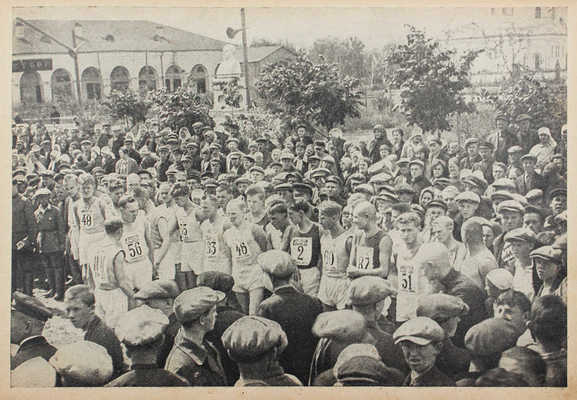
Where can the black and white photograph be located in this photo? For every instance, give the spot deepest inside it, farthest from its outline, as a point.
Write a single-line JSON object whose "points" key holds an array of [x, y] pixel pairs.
{"points": [[289, 196]]}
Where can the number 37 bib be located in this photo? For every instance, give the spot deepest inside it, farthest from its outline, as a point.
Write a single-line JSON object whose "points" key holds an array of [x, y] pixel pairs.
{"points": [[302, 250]]}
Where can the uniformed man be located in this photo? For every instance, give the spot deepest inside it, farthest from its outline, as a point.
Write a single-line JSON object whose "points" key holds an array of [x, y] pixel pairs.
{"points": [[421, 340], [141, 332], [447, 310], [83, 363], [296, 312], [192, 356], [23, 241]]}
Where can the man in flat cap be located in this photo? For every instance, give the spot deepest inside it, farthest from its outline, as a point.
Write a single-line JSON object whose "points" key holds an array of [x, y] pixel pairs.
{"points": [[421, 340], [160, 295], [530, 179], [256, 343], [511, 217], [502, 138], [472, 157], [141, 332], [418, 180], [525, 137], [83, 363], [468, 204], [447, 310], [367, 296], [192, 356], [296, 312]]}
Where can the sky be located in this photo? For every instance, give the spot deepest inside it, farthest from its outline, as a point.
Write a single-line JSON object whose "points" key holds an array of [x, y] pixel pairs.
{"points": [[300, 26]]}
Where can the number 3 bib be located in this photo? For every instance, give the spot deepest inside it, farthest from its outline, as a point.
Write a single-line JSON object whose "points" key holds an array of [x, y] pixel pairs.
{"points": [[211, 246], [302, 250]]}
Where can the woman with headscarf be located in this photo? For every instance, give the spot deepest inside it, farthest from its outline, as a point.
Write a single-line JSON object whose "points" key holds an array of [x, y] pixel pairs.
{"points": [[545, 149]]}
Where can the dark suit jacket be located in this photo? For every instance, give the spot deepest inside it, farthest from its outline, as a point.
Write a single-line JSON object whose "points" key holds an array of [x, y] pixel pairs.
{"points": [[296, 313], [432, 377], [523, 187], [98, 332], [147, 375], [34, 346], [225, 316]]}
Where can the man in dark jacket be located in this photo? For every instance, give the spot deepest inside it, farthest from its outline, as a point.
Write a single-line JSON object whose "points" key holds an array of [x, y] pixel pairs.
{"points": [[421, 341], [23, 241], [296, 313]]}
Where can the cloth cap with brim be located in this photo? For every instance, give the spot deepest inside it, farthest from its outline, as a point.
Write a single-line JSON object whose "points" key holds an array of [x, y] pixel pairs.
{"points": [[487, 145], [250, 337], [501, 195], [548, 253], [216, 280], [141, 326], [419, 330], [471, 141], [83, 362], [36, 372], [529, 157], [320, 173], [437, 203], [357, 177], [403, 161], [342, 326], [256, 168], [242, 180], [504, 184], [31, 306], [365, 188], [523, 117], [42, 192], [500, 278], [249, 157], [386, 196], [417, 162], [381, 178], [476, 181], [514, 149], [329, 159], [491, 336], [334, 179], [521, 235], [557, 192], [285, 155], [157, 289], [369, 290], [192, 303], [276, 263], [440, 306], [404, 188], [283, 187], [302, 187], [510, 205], [468, 196], [367, 371]]}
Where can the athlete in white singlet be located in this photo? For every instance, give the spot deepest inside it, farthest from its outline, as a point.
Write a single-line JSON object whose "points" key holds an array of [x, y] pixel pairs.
{"points": [[163, 224], [245, 241], [215, 254]]}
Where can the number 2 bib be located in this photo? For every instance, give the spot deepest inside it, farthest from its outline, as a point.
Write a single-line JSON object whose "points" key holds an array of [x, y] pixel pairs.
{"points": [[365, 257], [302, 250]]}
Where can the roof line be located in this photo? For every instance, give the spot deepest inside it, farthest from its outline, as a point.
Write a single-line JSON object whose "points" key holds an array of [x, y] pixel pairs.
{"points": [[119, 51]]}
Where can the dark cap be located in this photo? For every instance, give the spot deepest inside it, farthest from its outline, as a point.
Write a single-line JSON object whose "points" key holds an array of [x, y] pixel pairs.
{"points": [[192, 303], [216, 280]]}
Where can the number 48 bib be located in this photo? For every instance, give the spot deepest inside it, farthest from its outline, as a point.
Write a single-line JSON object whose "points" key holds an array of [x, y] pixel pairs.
{"points": [[302, 250]]}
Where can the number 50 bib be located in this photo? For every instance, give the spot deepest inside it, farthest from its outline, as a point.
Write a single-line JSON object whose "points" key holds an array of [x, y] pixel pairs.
{"points": [[302, 250]]}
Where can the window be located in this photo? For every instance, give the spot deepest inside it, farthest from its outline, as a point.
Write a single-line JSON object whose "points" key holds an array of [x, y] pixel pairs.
{"points": [[147, 78], [173, 79], [198, 78], [92, 83], [537, 12], [119, 79], [30, 88]]}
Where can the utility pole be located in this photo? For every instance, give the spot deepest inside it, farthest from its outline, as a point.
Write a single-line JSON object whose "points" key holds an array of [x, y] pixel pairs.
{"points": [[245, 56]]}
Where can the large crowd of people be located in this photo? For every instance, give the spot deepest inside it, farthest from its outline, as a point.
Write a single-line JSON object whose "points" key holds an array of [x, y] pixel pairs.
{"points": [[203, 257]]}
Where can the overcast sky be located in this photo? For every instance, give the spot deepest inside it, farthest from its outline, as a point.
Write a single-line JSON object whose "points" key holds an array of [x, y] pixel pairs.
{"points": [[300, 26]]}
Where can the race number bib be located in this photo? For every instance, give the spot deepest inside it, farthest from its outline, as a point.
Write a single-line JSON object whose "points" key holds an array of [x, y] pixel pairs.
{"points": [[407, 296], [86, 218], [184, 236], [302, 250], [211, 247], [365, 257], [241, 250], [407, 279], [329, 258], [133, 248]]}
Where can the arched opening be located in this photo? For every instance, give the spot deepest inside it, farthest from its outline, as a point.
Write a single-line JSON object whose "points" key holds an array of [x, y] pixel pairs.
{"points": [[30, 88], [92, 83], [61, 85], [173, 78], [198, 78], [119, 79], [147, 78]]}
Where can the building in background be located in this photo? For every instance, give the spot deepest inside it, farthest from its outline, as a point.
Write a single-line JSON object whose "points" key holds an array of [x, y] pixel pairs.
{"points": [[116, 55], [515, 41]]}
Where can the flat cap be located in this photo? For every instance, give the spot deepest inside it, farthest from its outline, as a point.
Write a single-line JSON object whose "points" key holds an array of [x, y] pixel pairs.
{"points": [[522, 117], [320, 172], [141, 326], [216, 280], [385, 195], [314, 157], [302, 187], [232, 139], [502, 195], [383, 177], [417, 162], [510, 205], [84, 362], [192, 303], [341, 325], [243, 179], [42, 192], [521, 235], [419, 330], [548, 253], [334, 179], [404, 188], [277, 263], [471, 141], [366, 371], [491, 336], [402, 161], [501, 278], [440, 306], [514, 149], [286, 155], [365, 188], [256, 168], [284, 187], [505, 184], [437, 203], [475, 180], [157, 289], [249, 157], [529, 156], [486, 144], [560, 191], [329, 159], [469, 196], [46, 172], [369, 290], [33, 373], [250, 337]]}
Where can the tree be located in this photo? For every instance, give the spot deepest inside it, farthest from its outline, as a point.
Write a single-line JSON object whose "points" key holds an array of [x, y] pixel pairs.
{"points": [[349, 54], [302, 90], [545, 102], [181, 108], [126, 105], [430, 81]]}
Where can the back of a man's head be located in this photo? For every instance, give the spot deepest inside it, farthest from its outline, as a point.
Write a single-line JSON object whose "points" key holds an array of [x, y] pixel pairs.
{"points": [[472, 231], [548, 322]]}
